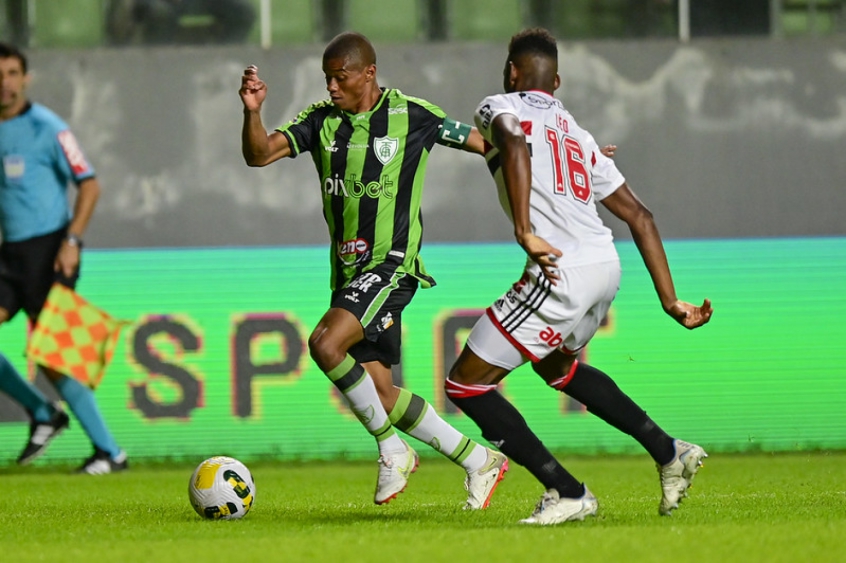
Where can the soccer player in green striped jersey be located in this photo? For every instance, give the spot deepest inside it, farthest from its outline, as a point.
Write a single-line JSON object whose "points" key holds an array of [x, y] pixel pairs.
{"points": [[370, 146]]}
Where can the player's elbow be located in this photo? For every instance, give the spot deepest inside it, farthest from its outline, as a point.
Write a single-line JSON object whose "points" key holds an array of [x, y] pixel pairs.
{"points": [[262, 156], [641, 219], [254, 160], [644, 214]]}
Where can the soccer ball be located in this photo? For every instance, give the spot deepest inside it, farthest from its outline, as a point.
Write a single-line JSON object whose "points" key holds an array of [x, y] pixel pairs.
{"points": [[222, 488]]}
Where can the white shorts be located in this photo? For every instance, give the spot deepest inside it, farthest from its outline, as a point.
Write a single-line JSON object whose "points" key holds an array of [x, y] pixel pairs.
{"points": [[534, 317]]}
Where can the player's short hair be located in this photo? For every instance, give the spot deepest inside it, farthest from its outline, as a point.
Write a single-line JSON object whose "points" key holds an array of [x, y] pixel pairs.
{"points": [[533, 41], [354, 46], [8, 51]]}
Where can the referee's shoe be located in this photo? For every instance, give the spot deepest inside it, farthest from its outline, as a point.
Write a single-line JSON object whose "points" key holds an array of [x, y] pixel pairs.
{"points": [[101, 463], [41, 433]]}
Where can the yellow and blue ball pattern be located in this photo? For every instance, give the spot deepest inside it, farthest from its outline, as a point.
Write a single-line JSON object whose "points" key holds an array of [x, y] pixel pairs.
{"points": [[222, 488]]}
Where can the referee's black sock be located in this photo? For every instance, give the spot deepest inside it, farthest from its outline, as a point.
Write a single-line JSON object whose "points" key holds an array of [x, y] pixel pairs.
{"points": [[598, 392], [503, 426]]}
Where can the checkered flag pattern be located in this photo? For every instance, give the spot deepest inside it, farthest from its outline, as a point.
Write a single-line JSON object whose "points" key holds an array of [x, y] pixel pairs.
{"points": [[73, 337]]}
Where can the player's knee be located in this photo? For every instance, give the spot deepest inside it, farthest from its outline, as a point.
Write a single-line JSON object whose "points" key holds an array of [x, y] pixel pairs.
{"points": [[469, 369], [538, 368], [556, 369], [455, 373], [323, 352], [546, 372]]}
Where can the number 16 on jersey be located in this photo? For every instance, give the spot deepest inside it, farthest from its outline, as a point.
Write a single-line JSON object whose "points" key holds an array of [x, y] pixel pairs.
{"points": [[567, 154]]}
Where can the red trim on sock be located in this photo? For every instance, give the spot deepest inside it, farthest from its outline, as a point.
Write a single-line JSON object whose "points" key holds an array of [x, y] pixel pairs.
{"points": [[562, 382], [462, 391]]}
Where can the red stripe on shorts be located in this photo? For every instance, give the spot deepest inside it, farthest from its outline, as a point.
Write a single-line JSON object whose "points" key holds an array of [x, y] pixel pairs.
{"points": [[510, 338]]}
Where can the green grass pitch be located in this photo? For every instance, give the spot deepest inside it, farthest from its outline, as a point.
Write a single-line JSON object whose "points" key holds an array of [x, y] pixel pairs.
{"points": [[749, 508]]}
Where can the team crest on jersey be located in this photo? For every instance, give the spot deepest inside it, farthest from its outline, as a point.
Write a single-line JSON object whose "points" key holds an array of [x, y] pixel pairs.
{"points": [[385, 148]]}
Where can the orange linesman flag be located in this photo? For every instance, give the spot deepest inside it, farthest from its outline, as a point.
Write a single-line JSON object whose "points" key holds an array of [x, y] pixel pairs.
{"points": [[74, 337]]}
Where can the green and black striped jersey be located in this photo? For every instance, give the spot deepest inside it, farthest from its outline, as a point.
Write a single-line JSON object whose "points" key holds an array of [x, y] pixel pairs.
{"points": [[371, 168]]}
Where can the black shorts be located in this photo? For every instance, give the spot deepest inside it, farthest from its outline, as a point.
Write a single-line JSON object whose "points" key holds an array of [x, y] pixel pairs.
{"points": [[27, 274], [377, 299]]}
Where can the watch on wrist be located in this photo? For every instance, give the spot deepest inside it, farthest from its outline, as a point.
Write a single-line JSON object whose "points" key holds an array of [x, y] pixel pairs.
{"points": [[73, 240]]}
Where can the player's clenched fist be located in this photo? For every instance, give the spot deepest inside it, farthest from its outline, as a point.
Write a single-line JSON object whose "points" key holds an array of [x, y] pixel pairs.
{"points": [[689, 315], [253, 89]]}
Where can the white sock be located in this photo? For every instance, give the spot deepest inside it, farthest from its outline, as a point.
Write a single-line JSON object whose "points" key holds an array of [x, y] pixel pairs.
{"points": [[360, 391], [416, 417]]}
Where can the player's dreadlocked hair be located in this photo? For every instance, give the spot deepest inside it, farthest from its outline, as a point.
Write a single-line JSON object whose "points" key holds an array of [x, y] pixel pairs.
{"points": [[535, 41]]}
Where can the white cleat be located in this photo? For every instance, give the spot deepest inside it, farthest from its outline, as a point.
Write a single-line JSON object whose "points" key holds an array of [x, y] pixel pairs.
{"points": [[394, 470], [481, 484], [552, 509], [677, 475]]}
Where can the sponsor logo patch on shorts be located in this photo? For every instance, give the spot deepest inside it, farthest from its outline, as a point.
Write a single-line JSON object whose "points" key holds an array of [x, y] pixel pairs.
{"points": [[387, 321], [364, 281], [552, 338]]}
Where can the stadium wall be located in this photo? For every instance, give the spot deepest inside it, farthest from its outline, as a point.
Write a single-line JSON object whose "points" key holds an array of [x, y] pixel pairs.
{"points": [[721, 138]]}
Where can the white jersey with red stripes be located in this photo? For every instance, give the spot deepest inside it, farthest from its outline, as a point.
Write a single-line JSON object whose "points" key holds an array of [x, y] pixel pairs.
{"points": [[569, 175]]}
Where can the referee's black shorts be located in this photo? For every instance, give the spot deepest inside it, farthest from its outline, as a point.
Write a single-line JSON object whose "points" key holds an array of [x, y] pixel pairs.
{"points": [[27, 274]]}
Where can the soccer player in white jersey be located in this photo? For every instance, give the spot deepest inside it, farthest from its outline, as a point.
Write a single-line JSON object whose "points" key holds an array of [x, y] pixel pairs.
{"points": [[550, 173]]}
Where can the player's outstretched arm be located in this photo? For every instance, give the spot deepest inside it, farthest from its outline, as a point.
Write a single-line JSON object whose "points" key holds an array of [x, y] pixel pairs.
{"points": [[516, 164], [625, 204], [258, 148], [459, 135]]}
